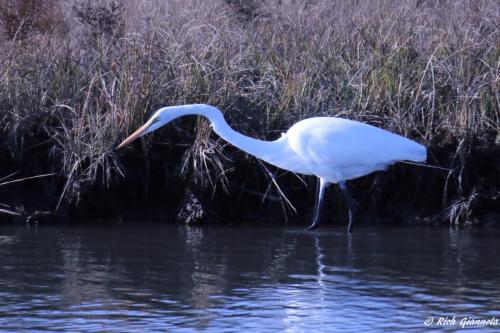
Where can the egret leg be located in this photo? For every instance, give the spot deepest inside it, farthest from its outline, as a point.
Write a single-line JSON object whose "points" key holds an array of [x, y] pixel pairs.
{"points": [[349, 202], [320, 189]]}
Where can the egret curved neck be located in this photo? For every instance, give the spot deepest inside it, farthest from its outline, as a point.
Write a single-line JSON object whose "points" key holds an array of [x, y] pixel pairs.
{"points": [[258, 148]]}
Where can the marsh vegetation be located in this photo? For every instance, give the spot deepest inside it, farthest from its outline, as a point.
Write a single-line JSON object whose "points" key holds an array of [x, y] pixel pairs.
{"points": [[77, 77]]}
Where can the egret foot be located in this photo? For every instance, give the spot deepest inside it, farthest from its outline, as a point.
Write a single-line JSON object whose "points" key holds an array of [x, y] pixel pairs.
{"points": [[313, 225]]}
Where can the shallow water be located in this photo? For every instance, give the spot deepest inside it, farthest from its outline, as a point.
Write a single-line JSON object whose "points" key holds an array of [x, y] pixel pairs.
{"points": [[154, 277]]}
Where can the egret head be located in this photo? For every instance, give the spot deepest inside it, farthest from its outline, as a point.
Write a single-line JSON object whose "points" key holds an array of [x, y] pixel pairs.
{"points": [[169, 113], [157, 120]]}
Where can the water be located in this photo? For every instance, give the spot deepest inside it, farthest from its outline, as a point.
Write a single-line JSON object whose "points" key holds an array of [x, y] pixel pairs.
{"points": [[153, 277]]}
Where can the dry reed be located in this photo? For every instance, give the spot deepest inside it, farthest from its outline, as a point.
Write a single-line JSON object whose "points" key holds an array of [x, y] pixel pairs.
{"points": [[82, 75]]}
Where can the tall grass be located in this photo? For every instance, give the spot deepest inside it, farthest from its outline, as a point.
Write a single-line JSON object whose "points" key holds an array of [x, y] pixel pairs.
{"points": [[83, 79]]}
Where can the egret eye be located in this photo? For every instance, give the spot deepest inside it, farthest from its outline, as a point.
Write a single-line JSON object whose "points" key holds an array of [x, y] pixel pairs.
{"points": [[155, 120]]}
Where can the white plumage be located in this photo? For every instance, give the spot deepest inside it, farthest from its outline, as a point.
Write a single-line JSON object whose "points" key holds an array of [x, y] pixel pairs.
{"points": [[333, 149], [337, 149]]}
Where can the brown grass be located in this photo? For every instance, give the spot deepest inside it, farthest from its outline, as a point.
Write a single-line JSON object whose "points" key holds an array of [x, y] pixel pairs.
{"points": [[423, 69]]}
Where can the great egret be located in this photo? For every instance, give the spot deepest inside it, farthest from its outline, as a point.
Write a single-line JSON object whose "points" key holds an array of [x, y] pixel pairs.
{"points": [[332, 149]]}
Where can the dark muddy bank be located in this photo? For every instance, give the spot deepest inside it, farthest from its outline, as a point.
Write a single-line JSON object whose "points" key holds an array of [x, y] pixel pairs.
{"points": [[156, 186]]}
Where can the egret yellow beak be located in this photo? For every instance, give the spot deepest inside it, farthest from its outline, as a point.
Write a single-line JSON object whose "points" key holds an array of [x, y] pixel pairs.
{"points": [[135, 135]]}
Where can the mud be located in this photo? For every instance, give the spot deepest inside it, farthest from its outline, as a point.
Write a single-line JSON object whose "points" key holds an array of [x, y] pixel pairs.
{"points": [[153, 188]]}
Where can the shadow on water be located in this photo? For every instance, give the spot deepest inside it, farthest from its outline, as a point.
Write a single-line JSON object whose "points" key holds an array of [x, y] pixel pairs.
{"points": [[159, 277]]}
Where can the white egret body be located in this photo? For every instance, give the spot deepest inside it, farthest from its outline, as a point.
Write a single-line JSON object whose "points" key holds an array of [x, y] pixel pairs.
{"points": [[332, 149]]}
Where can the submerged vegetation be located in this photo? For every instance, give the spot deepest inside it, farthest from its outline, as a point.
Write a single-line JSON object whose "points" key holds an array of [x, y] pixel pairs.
{"points": [[77, 77]]}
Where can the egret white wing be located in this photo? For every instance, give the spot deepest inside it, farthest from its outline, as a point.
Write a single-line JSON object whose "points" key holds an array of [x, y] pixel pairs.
{"points": [[338, 149]]}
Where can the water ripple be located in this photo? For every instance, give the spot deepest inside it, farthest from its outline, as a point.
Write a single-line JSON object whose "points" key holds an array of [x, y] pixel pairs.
{"points": [[161, 278]]}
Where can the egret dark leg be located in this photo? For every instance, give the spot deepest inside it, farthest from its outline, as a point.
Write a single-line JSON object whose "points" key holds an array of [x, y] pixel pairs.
{"points": [[320, 189], [349, 202]]}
